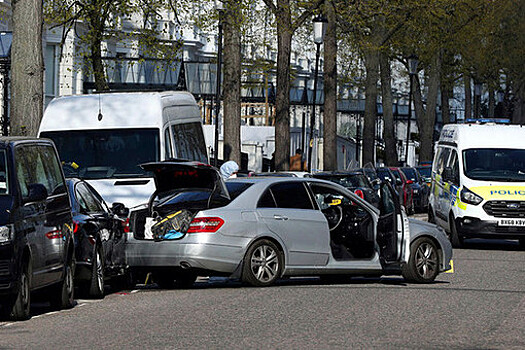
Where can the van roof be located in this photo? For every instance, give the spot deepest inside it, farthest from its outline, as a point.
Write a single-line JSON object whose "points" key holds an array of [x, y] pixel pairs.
{"points": [[119, 109], [483, 136]]}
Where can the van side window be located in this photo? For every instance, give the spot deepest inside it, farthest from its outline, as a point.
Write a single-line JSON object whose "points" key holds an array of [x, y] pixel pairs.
{"points": [[22, 173], [442, 160], [167, 144], [189, 142], [454, 164]]}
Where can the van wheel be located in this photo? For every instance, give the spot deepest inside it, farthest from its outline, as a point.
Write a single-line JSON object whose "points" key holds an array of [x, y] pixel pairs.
{"points": [[263, 264], [455, 237], [62, 296], [423, 264], [18, 309], [96, 287]]}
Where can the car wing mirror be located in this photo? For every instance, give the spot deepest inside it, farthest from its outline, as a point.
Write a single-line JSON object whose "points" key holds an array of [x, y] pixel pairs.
{"points": [[36, 192]]}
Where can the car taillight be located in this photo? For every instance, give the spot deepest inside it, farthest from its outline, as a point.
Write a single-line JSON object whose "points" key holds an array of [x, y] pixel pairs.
{"points": [[75, 227], [125, 225], [206, 224], [54, 234], [360, 194]]}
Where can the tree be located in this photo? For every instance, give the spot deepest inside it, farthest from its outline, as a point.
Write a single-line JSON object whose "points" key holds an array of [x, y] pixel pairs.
{"points": [[27, 72], [287, 23], [330, 89], [94, 21], [232, 80]]}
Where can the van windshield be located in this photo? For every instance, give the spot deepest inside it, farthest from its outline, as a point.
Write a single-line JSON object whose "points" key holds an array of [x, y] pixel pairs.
{"points": [[103, 154], [499, 164]]}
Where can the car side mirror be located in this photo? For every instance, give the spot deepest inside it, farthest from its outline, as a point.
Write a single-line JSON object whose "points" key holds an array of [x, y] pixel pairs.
{"points": [[120, 210], [448, 174], [36, 193]]}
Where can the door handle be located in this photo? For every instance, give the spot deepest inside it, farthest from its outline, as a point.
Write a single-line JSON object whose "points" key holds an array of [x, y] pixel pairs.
{"points": [[280, 217]]}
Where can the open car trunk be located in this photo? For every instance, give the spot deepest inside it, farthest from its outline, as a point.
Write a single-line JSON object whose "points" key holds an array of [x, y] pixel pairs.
{"points": [[182, 190]]}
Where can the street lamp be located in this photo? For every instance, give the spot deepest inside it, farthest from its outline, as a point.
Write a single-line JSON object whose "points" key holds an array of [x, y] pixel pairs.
{"points": [[319, 32], [412, 70], [219, 6], [477, 98]]}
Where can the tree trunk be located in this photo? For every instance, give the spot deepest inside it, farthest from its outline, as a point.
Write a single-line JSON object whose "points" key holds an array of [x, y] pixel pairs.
{"points": [[468, 96], [369, 127], [282, 98], [492, 103], [27, 68], [96, 32], [232, 83], [330, 91], [426, 125], [388, 114], [445, 104]]}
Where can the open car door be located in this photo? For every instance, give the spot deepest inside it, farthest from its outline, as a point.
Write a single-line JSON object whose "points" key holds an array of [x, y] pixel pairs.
{"points": [[392, 228]]}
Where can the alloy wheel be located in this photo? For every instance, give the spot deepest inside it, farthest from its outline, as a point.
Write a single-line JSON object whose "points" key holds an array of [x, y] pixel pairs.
{"points": [[264, 263], [99, 272], [426, 260]]}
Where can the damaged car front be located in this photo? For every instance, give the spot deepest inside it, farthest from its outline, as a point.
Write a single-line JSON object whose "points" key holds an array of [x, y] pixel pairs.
{"points": [[167, 232]]}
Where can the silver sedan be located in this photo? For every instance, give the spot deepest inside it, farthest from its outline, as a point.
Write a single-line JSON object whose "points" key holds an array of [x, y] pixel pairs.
{"points": [[261, 229]]}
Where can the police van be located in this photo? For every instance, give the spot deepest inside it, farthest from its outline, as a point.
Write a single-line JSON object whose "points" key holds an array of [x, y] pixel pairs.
{"points": [[478, 182]]}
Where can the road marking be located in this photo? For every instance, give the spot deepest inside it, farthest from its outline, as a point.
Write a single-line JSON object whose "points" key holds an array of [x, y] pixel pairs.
{"points": [[451, 267]]}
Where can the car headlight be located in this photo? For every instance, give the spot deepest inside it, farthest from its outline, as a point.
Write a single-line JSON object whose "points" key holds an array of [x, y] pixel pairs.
{"points": [[470, 197], [5, 234]]}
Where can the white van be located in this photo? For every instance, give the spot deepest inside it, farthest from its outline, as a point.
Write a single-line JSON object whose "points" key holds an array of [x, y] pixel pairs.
{"points": [[103, 138], [478, 182]]}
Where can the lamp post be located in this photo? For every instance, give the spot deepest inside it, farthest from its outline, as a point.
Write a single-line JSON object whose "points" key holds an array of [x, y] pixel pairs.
{"points": [[319, 32], [477, 98], [219, 6], [412, 70]]}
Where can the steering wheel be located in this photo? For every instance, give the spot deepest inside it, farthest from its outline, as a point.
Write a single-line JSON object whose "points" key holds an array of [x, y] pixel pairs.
{"points": [[334, 216]]}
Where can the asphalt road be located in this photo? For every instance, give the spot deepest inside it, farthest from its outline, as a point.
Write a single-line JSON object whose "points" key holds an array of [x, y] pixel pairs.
{"points": [[479, 306]]}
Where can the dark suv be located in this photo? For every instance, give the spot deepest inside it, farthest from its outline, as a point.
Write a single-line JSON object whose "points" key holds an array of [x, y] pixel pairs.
{"points": [[36, 244]]}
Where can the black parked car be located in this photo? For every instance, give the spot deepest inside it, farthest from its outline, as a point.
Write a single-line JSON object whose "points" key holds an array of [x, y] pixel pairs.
{"points": [[99, 238], [354, 181], [419, 187], [36, 242]]}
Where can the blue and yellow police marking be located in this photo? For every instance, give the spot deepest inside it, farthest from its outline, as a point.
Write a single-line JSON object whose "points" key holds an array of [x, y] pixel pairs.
{"points": [[451, 267]]}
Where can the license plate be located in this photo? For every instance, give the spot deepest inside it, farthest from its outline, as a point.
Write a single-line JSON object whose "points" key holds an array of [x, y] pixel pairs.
{"points": [[511, 222]]}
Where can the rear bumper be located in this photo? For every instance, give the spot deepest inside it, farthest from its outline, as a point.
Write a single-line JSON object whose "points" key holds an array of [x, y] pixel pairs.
{"points": [[471, 227], [204, 255]]}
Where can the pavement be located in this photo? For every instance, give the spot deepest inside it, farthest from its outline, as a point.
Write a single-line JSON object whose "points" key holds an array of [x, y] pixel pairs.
{"points": [[481, 305]]}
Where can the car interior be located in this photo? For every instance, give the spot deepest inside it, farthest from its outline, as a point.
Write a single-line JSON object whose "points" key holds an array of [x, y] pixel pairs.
{"points": [[351, 226]]}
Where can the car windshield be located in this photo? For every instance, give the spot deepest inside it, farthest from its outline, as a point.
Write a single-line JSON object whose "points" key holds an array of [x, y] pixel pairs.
{"points": [[498, 164], [425, 171], [102, 154], [349, 181], [410, 173]]}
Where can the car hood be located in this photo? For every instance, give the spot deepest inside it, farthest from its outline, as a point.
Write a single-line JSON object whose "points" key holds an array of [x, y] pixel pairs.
{"points": [[171, 176]]}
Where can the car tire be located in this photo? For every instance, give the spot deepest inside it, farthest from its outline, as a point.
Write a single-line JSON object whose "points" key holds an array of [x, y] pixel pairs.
{"points": [[185, 280], [263, 264], [18, 308], [455, 237], [522, 243], [63, 295], [96, 285], [423, 264]]}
